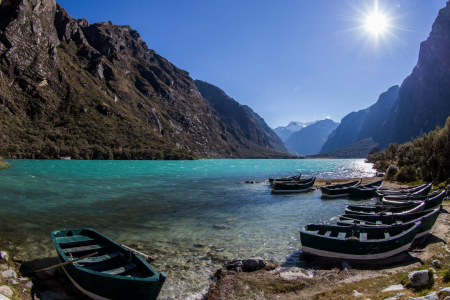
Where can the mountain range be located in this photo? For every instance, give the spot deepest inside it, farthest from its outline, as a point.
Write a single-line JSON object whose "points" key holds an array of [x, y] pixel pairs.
{"points": [[96, 91]]}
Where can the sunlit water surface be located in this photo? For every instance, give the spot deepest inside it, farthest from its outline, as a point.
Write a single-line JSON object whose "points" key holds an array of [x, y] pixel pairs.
{"points": [[191, 215]]}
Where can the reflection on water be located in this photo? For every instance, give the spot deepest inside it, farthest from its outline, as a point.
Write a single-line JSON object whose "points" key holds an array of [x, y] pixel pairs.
{"points": [[191, 215]]}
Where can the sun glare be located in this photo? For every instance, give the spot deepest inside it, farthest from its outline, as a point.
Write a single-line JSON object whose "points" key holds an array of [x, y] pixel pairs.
{"points": [[376, 23]]}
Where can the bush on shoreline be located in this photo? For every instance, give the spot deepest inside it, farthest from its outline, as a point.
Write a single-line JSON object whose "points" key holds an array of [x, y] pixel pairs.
{"points": [[425, 157]]}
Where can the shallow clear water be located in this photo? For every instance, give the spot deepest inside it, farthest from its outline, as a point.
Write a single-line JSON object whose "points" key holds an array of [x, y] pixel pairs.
{"points": [[192, 215]]}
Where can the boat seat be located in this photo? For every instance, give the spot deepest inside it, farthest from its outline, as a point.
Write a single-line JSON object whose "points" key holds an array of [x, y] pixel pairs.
{"points": [[387, 235], [363, 236], [398, 222], [327, 233], [362, 223], [120, 270], [99, 259], [85, 248], [342, 235], [378, 222], [73, 239]]}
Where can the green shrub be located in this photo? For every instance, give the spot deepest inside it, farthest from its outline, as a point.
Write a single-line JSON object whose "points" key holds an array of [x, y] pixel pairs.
{"points": [[406, 174], [446, 277], [391, 172]]}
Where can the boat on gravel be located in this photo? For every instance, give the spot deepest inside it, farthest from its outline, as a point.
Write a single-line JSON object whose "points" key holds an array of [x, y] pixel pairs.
{"points": [[430, 203], [420, 190], [410, 197], [112, 272], [338, 190], [293, 187], [408, 207], [427, 217], [365, 191], [358, 242]]}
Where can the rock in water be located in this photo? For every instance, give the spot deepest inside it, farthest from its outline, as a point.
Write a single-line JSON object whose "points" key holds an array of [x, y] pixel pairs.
{"points": [[246, 265]]}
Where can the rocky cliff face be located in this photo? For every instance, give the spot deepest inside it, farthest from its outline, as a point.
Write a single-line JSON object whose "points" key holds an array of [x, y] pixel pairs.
{"points": [[347, 132], [361, 125], [68, 87], [423, 101], [310, 139], [241, 122]]}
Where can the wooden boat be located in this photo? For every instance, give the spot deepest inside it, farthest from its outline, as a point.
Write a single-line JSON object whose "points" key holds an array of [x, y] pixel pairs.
{"points": [[427, 217], [293, 187], [358, 242], [408, 207], [114, 272], [402, 188], [338, 190], [410, 197], [423, 189], [291, 178], [430, 203], [365, 191]]}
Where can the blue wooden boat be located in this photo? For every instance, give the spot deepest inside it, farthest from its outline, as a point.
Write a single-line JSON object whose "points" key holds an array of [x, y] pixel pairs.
{"points": [[365, 191], [430, 203], [114, 273], [420, 190], [406, 208], [358, 242]]}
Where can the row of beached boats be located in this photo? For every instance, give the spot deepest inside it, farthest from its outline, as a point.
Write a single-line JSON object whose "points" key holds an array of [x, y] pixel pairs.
{"points": [[367, 232]]}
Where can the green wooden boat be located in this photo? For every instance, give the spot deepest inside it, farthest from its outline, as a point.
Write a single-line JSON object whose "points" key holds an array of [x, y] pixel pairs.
{"points": [[430, 203], [406, 208], [291, 178], [365, 191], [293, 187], [410, 197], [358, 242], [113, 273], [427, 217], [338, 190], [423, 189]]}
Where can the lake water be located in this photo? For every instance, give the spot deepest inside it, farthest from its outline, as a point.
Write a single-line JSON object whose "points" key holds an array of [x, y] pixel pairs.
{"points": [[191, 215]]}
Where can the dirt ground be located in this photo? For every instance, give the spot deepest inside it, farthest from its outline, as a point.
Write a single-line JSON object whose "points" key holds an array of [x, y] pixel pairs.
{"points": [[322, 278]]}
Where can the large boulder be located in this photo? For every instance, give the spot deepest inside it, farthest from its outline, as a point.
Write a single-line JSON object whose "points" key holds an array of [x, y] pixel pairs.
{"points": [[419, 278]]}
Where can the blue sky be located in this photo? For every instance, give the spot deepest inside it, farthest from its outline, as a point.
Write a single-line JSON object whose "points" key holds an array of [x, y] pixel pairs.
{"points": [[290, 60]]}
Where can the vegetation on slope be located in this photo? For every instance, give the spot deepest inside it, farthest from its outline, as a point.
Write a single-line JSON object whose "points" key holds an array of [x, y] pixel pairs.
{"points": [[425, 157], [3, 164]]}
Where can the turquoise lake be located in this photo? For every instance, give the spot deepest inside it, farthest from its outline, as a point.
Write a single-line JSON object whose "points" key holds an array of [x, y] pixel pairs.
{"points": [[191, 215]]}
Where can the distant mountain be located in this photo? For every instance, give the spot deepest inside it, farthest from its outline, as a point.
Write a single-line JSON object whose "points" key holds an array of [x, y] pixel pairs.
{"points": [[242, 122], [424, 97], [284, 132], [363, 124], [358, 150], [310, 139]]}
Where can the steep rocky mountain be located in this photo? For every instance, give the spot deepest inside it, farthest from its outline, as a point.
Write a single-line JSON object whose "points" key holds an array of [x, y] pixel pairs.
{"points": [[274, 140], [423, 100], [378, 114], [284, 132], [96, 91], [347, 132], [242, 122], [357, 150], [310, 139], [361, 125]]}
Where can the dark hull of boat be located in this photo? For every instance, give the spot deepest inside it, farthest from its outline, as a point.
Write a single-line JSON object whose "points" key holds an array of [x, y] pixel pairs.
{"points": [[409, 197], [384, 209], [293, 187], [365, 191], [338, 190], [430, 203], [292, 178], [131, 277], [420, 190], [367, 244], [427, 217]]}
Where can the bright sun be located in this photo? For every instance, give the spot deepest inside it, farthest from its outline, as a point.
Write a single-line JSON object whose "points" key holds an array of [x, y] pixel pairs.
{"points": [[376, 23]]}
